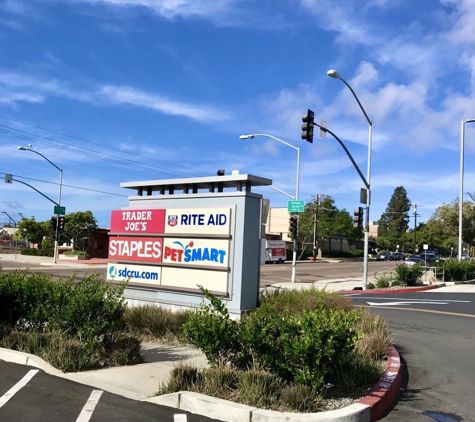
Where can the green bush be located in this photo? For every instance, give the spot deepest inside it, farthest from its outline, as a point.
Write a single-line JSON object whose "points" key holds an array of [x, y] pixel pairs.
{"points": [[155, 321], [455, 270], [75, 253], [212, 330], [408, 275], [304, 349], [334, 253], [383, 281], [38, 252]]}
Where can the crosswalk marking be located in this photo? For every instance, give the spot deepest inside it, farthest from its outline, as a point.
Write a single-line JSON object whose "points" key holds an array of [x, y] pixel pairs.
{"points": [[20, 384], [89, 407]]}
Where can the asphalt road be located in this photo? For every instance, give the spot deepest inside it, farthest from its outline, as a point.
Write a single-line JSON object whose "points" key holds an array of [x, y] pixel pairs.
{"points": [[436, 342], [46, 398], [306, 272]]}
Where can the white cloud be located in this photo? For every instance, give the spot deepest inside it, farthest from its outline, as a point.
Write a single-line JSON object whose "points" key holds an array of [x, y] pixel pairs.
{"points": [[132, 96], [170, 9]]}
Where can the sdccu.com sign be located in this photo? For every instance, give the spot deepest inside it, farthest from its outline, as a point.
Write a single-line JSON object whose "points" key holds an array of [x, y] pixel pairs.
{"points": [[149, 236]]}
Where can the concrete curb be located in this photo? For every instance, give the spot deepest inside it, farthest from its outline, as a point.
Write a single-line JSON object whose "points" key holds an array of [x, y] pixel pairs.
{"points": [[370, 408], [391, 291], [228, 411], [381, 396], [22, 358]]}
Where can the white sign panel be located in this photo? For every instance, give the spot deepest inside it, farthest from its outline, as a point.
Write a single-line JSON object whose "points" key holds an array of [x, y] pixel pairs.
{"points": [[196, 252], [198, 221], [135, 273], [190, 278]]}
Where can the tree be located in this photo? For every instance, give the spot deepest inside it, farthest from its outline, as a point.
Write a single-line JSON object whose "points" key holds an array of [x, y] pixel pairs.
{"points": [[80, 227], [446, 219], [33, 230], [394, 223], [330, 222]]}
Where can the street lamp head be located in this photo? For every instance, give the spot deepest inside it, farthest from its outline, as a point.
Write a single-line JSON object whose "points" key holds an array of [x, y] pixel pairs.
{"points": [[246, 137], [469, 120], [22, 148], [333, 74]]}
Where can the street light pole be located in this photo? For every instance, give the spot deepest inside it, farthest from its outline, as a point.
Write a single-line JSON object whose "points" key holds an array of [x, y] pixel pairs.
{"points": [[59, 197], [297, 184], [462, 146], [334, 74], [11, 219]]}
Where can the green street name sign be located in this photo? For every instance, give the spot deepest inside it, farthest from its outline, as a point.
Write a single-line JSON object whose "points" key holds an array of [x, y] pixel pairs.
{"points": [[296, 206], [59, 210]]}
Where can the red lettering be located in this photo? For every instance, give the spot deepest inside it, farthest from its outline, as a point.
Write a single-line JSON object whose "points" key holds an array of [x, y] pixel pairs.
{"points": [[168, 252]]}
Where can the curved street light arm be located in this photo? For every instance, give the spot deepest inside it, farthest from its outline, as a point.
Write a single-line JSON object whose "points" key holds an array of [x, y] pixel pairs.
{"points": [[357, 100], [277, 139], [347, 152], [281, 191], [49, 161], [49, 199]]}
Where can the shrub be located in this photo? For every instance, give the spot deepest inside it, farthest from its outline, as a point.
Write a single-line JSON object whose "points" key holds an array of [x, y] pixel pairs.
{"points": [[75, 253], [212, 330], [383, 281], [297, 300], [183, 377], [258, 388], [301, 398], [302, 348], [357, 370], [219, 381], [155, 321], [456, 270], [370, 286], [375, 341], [38, 252], [408, 275]]}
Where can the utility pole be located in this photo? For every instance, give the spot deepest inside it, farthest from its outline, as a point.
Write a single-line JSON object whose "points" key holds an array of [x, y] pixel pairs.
{"points": [[415, 225], [315, 228]]}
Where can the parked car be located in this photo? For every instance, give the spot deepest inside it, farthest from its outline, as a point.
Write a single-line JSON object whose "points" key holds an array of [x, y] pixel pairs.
{"points": [[464, 256], [414, 260], [384, 256], [398, 256], [429, 257]]}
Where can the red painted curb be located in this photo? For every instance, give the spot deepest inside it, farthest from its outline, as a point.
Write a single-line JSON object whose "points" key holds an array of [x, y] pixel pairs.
{"points": [[381, 396], [387, 292]]}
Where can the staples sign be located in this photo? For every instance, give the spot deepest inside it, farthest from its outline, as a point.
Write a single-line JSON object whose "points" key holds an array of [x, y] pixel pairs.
{"points": [[136, 248], [137, 221]]}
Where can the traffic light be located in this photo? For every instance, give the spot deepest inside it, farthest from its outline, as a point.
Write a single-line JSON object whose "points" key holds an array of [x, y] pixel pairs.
{"points": [[307, 127], [61, 222], [358, 219], [53, 223], [294, 226]]}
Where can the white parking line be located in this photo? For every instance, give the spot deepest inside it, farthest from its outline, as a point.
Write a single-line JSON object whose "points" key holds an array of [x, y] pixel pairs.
{"points": [[89, 407], [20, 384], [179, 417]]}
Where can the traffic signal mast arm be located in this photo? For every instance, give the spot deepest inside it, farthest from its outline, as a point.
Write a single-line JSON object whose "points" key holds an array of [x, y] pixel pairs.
{"points": [[49, 199], [347, 153]]}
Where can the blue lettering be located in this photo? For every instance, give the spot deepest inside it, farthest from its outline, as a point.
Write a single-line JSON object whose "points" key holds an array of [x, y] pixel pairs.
{"points": [[222, 219], [196, 255], [201, 219], [187, 255], [214, 255], [119, 273], [205, 256], [184, 219], [211, 220], [221, 256], [136, 274]]}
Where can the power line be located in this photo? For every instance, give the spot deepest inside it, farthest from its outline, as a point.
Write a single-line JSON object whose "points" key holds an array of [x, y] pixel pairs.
{"points": [[68, 186], [27, 136]]}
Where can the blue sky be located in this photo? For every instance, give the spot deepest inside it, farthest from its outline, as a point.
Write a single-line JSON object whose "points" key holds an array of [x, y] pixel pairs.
{"points": [[125, 90]]}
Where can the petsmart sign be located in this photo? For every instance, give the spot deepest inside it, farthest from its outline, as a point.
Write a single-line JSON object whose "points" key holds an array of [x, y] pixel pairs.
{"points": [[196, 252], [198, 221]]}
